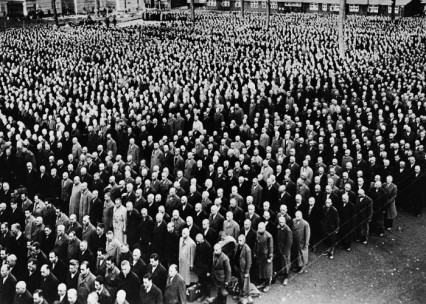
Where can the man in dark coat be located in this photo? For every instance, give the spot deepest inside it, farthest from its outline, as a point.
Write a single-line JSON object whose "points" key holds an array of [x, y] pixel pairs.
{"points": [[22, 295], [137, 265], [172, 245], [7, 285], [263, 253], [216, 219], [242, 265], [104, 296], [58, 268], [146, 227], [149, 293], [378, 196], [49, 284], [284, 240], [202, 263], [157, 244], [330, 223], [220, 273], [347, 218], [129, 282], [132, 229], [175, 291], [159, 273], [364, 211], [313, 217], [34, 278]]}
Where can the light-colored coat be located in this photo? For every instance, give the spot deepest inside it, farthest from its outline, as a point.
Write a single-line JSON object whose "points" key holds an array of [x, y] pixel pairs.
{"points": [[119, 222], [84, 208], [231, 229], [113, 250], [301, 237], [75, 199], [186, 259], [157, 158]]}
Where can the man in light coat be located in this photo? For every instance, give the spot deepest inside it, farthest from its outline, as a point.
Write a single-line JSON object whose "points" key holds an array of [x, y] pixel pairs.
{"points": [[112, 247], [119, 220], [186, 257], [75, 197], [86, 198], [230, 227]]}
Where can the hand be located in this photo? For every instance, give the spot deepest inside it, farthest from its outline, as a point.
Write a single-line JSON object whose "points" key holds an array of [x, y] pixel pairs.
{"points": [[246, 275], [269, 260], [208, 274]]}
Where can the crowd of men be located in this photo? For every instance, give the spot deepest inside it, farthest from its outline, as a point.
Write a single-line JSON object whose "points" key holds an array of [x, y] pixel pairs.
{"points": [[136, 162]]}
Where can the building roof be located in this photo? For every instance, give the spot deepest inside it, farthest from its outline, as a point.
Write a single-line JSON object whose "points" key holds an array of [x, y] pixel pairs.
{"points": [[351, 2]]}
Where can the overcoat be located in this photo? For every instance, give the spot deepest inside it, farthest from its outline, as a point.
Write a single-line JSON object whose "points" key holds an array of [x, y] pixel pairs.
{"points": [[264, 250], [186, 260]]}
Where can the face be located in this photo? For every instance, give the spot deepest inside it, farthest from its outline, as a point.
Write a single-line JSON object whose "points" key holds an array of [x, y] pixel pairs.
{"points": [[125, 269], [147, 283]]}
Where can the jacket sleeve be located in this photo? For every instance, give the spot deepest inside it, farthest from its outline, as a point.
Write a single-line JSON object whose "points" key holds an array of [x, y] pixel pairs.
{"points": [[248, 260], [159, 298], [307, 234], [182, 292], [270, 247], [227, 268]]}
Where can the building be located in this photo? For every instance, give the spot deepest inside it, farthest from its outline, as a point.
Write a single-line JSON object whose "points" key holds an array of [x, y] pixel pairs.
{"points": [[364, 7], [23, 7]]}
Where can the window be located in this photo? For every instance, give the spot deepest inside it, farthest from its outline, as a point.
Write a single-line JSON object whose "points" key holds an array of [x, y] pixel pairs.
{"points": [[263, 4], [211, 3], [373, 9], [353, 8], [294, 4], [238, 3], [324, 7], [274, 5], [396, 9], [225, 3], [254, 4], [313, 6], [334, 8]]}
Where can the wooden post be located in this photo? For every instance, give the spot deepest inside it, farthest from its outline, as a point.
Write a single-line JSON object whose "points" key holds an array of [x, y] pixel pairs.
{"points": [[55, 14], [341, 21], [242, 8], [268, 13], [193, 12], [393, 10]]}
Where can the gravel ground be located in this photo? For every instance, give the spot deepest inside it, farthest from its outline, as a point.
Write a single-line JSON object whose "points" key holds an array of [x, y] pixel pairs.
{"points": [[391, 269]]}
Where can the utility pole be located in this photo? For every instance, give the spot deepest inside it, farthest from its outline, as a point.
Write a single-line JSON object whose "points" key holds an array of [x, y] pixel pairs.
{"points": [[242, 8], [193, 12], [393, 10], [55, 14], [268, 13], [341, 22]]}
